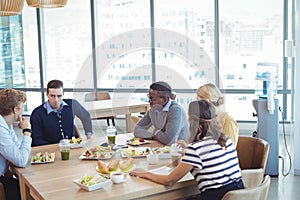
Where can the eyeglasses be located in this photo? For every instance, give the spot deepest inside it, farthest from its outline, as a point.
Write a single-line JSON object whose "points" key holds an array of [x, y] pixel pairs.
{"points": [[152, 98]]}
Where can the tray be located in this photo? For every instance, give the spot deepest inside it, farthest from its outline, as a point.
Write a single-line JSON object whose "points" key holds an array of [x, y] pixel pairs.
{"points": [[43, 158], [98, 153], [136, 152]]}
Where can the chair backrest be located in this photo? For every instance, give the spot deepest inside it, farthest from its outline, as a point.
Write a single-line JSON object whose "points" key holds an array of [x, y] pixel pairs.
{"points": [[252, 152], [97, 96], [259, 192], [252, 177]]}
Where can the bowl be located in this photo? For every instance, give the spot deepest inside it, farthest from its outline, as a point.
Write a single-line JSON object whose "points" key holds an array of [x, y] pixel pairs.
{"points": [[96, 186]]}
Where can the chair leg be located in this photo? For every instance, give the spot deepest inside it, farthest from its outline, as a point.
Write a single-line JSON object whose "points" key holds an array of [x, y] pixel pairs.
{"points": [[113, 121], [2, 191], [107, 120]]}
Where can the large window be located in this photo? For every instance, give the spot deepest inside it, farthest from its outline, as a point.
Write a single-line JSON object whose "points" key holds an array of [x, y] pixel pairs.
{"points": [[125, 45], [68, 44]]}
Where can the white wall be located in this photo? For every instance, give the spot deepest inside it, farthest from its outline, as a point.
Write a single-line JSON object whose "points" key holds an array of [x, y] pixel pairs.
{"points": [[297, 93]]}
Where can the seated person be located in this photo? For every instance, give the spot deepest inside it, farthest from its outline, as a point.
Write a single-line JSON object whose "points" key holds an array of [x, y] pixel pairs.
{"points": [[54, 119], [212, 94], [211, 157], [166, 116], [12, 151]]}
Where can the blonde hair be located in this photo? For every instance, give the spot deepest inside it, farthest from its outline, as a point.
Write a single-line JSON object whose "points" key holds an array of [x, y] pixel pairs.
{"points": [[9, 99], [212, 93]]}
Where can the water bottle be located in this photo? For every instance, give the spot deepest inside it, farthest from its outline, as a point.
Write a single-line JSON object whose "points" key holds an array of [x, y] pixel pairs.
{"points": [[266, 73]]}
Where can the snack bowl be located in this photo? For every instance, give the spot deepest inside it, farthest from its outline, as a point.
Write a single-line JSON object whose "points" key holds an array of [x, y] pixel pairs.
{"points": [[103, 181]]}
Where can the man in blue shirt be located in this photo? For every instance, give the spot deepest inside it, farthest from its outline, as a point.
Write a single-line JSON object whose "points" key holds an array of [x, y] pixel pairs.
{"points": [[54, 119], [12, 151]]}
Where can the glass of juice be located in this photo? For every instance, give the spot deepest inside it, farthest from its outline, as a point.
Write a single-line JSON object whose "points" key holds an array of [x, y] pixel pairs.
{"points": [[111, 134], [64, 147]]}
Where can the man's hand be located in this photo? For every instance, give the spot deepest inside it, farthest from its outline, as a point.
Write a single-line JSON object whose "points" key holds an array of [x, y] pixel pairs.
{"points": [[23, 123]]}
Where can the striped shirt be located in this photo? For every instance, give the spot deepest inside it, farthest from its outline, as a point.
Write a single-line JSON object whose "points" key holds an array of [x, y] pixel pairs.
{"points": [[214, 167]]}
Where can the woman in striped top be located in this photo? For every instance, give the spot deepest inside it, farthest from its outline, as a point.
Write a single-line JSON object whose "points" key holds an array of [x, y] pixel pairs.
{"points": [[211, 157]]}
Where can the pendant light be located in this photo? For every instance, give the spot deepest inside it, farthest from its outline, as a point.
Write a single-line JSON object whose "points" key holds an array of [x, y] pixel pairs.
{"points": [[46, 3], [11, 7]]}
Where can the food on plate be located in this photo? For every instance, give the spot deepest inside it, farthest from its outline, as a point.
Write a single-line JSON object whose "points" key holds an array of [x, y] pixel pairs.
{"points": [[136, 141], [43, 157], [75, 140], [135, 152], [165, 149], [126, 164], [89, 180], [102, 167], [99, 152], [113, 164]]}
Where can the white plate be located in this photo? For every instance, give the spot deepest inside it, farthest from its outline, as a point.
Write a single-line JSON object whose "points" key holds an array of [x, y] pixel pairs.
{"points": [[138, 152], [76, 145], [99, 155], [44, 162], [138, 143], [164, 156], [92, 187]]}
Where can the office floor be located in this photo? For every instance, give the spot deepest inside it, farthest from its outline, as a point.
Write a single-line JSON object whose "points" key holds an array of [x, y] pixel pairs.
{"points": [[285, 186]]}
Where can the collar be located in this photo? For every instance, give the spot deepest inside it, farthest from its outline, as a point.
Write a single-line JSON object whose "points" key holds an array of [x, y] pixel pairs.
{"points": [[49, 109], [3, 122], [167, 106]]}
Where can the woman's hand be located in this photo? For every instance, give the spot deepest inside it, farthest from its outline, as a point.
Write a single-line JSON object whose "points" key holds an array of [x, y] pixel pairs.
{"points": [[139, 172]]}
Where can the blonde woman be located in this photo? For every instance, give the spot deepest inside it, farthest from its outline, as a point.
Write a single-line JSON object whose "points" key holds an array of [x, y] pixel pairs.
{"points": [[212, 94]]}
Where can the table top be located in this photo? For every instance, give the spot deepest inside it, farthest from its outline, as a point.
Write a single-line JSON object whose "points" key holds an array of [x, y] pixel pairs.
{"points": [[55, 180]]}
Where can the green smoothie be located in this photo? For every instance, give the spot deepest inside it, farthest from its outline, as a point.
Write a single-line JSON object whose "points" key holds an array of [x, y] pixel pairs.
{"points": [[65, 154], [111, 139]]}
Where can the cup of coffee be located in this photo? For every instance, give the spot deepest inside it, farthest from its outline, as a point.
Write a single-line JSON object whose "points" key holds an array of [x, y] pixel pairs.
{"points": [[152, 159], [118, 177], [64, 147]]}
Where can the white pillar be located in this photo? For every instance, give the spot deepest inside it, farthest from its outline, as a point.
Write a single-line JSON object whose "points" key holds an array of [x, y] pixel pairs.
{"points": [[297, 92]]}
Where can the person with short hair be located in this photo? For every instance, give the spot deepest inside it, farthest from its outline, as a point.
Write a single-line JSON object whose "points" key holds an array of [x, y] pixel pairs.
{"points": [[54, 119], [166, 116], [13, 151], [211, 93], [211, 157]]}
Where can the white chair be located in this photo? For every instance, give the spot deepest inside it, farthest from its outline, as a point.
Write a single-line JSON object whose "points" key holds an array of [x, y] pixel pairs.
{"points": [[259, 192]]}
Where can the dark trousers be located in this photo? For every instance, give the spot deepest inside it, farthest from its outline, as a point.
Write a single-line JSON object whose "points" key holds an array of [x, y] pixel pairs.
{"points": [[218, 193], [11, 188]]}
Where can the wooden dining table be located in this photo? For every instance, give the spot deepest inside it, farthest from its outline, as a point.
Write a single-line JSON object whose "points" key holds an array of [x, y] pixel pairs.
{"points": [[106, 108], [55, 180]]}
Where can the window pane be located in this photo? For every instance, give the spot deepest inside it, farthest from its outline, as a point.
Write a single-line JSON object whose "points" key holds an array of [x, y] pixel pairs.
{"points": [[123, 41], [68, 44], [30, 37], [11, 52], [251, 32], [184, 41]]}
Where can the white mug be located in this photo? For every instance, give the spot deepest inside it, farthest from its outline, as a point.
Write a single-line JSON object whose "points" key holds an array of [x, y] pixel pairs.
{"points": [[118, 177]]}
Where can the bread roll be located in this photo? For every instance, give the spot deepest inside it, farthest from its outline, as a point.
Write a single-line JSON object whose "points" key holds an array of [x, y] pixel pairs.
{"points": [[102, 167], [126, 163], [113, 164]]}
